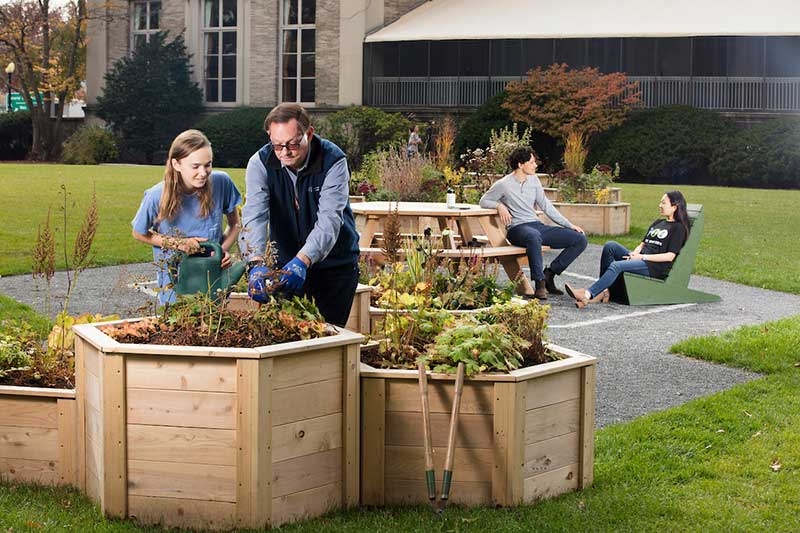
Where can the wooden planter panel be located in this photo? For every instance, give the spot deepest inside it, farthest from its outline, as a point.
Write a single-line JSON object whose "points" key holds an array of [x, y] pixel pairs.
{"points": [[614, 194], [598, 219], [521, 436], [38, 438], [220, 438]]}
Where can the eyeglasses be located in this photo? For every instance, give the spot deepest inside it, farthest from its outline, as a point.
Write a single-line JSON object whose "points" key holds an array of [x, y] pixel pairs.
{"points": [[290, 146]]}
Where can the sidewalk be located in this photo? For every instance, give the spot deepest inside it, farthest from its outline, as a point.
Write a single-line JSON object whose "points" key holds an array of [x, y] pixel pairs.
{"points": [[635, 372]]}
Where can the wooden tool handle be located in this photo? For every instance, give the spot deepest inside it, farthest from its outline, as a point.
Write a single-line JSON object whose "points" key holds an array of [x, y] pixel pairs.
{"points": [[451, 439], [430, 475]]}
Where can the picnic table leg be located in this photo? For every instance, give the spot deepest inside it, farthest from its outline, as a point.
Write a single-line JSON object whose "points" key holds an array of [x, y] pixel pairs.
{"points": [[515, 273]]}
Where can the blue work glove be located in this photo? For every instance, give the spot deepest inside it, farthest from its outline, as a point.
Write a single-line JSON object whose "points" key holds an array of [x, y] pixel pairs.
{"points": [[259, 284], [295, 274]]}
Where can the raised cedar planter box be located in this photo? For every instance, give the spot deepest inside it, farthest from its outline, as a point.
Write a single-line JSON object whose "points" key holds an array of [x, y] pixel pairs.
{"points": [[597, 219], [522, 436], [358, 320], [218, 437], [38, 437]]}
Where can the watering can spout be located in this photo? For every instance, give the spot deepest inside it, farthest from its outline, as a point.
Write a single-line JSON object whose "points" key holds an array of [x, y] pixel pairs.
{"points": [[204, 273]]}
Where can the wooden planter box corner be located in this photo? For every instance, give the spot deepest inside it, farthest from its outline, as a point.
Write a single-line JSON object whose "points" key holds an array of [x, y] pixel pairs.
{"points": [[218, 437], [38, 437], [522, 436], [597, 219]]}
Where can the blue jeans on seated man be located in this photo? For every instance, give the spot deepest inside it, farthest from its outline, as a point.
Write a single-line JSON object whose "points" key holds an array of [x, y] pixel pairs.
{"points": [[612, 265], [532, 235]]}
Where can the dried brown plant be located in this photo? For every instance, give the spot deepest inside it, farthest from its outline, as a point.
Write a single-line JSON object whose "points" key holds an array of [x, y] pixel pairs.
{"points": [[44, 252], [85, 237], [392, 237], [444, 142], [402, 175]]}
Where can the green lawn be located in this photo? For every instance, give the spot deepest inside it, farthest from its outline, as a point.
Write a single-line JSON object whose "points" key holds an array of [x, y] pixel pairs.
{"points": [[35, 189], [742, 241], [726, 463]]}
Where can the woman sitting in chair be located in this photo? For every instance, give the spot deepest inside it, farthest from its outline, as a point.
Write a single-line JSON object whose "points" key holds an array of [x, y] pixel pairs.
{"points": [[653, 256]]}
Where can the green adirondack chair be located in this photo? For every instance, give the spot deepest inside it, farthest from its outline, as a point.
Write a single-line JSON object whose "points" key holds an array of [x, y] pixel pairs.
{"points": [[633, 289]]}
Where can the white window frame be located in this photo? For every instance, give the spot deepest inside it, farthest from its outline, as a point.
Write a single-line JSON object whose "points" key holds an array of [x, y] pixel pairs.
{"points": [[147, 32], [240, 53], [299, 28]]}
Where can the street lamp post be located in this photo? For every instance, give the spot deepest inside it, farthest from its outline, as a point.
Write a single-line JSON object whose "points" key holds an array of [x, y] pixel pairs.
{"points": [[9, 70]]}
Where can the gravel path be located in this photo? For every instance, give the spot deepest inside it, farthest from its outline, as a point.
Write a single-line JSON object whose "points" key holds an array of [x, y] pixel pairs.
{"points": [[636, 374]]}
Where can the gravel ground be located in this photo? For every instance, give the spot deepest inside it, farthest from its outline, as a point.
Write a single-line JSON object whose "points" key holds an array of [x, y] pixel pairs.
{"points": [[635, 372]]}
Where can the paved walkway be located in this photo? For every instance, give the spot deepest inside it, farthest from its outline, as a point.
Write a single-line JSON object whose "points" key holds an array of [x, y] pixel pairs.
{"points": [[636, 374]]}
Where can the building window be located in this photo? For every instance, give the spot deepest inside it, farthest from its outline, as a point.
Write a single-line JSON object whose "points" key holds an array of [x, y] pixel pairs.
{"points": [[220, 54], [298, 50], [144, 22]]}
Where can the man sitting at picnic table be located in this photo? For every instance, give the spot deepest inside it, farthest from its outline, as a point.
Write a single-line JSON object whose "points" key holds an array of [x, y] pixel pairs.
{"points": [[516, 197]]}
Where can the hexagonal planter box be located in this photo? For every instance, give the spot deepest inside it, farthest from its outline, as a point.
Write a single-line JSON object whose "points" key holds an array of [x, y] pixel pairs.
{"points": [[522, 436], [38, 437], [218, 437]]}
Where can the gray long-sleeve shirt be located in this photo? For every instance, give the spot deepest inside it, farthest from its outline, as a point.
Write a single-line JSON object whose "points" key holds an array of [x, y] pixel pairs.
{"points": [[522, 200]]}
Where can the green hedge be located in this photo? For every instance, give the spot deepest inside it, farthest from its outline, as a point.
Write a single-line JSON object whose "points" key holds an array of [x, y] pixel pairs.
{"points": [[765, 156], [235, 135], [670, 144], [16, 135], [359, 130], [90, 145]]}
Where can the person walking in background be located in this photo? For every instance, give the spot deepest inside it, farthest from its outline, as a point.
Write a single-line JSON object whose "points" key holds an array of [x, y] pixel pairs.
{"points": [[297, 197], [186, 208], [653, 256], [414, 140], [516, 197]]}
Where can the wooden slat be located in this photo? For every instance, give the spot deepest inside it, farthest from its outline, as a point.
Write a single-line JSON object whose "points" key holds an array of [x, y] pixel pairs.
{"points": [[405, 491], [38, 392], [551, 454], [408, 462], [307, 472], [28, 470], [29, 443], [509, 442], [182, 445], [94, 426], [587, 427], [93, 397], [553, 388], [174, 512], [305, 437], [351, 407], [114, 481], [553, 483], [373, 419], [182, 408], [405, 429], [306, 504], [67, 442], [403, 395], [28, 412], [306, 401], [80, 431], [94, 459], [182, 480], [552, 420], [180, 373], [321, 365], [93, 486], [253, 470]]}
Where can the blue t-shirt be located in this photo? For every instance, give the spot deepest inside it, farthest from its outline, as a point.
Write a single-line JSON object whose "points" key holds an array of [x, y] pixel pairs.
{"points": [[187, 223]]}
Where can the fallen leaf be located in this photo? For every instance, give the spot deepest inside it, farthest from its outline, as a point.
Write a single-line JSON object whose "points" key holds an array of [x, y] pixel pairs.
{"points": [[748, 414], [469, 520], [797, 363], [707, 447], [581, 505], [720, 431], [776, 465], [756, 434]]}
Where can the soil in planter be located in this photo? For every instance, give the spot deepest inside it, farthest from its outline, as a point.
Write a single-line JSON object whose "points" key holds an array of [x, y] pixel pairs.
{"points": [[56, 374]]}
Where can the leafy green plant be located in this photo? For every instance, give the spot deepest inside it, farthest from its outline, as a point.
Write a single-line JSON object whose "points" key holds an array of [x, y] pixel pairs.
{"points": [[16, 135], [235, 135], [481, 347], [588, 188], [90, 145], [18, 344]]}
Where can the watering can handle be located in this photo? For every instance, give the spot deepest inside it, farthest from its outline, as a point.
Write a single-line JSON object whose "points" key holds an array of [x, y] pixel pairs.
{"points": [[215, 247]]}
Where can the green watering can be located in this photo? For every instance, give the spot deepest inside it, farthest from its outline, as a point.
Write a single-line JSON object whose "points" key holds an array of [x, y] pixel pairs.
{"points": [[204, 273]]}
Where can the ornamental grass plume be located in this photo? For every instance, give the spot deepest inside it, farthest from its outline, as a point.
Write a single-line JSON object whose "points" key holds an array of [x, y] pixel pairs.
{"points": [[392, 237]]}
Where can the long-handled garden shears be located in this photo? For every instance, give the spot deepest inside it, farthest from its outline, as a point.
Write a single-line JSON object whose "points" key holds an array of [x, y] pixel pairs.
{"points": [[430, 474]]}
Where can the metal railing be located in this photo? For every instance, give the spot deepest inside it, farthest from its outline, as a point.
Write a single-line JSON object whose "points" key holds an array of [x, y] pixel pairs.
{"points": [[705, 92]]}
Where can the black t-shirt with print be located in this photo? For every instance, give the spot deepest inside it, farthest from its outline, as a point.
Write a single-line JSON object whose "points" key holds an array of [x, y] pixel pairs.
{"points": [[663, 236]]}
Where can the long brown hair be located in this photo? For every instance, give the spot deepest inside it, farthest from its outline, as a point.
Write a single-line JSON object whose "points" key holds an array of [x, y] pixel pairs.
{"points": [[171, 201], [681, 214]]}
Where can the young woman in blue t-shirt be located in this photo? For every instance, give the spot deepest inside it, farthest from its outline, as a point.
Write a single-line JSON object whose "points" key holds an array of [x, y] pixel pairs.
{"points": [[653, 256], [186, 208]]}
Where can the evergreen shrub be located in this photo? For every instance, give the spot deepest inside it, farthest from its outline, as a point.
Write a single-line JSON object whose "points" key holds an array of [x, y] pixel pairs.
{"points": [[16, 135], [235, 135], [90, 145], [669, 144], [764, 156]]}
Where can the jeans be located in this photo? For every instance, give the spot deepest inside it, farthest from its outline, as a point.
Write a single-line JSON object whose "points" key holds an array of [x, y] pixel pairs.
{"points": [[612, 265], [333, 290], [532, 235]]}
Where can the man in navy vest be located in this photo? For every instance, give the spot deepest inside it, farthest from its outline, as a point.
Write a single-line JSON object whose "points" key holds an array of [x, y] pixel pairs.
{"points": [[297, 197]]}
